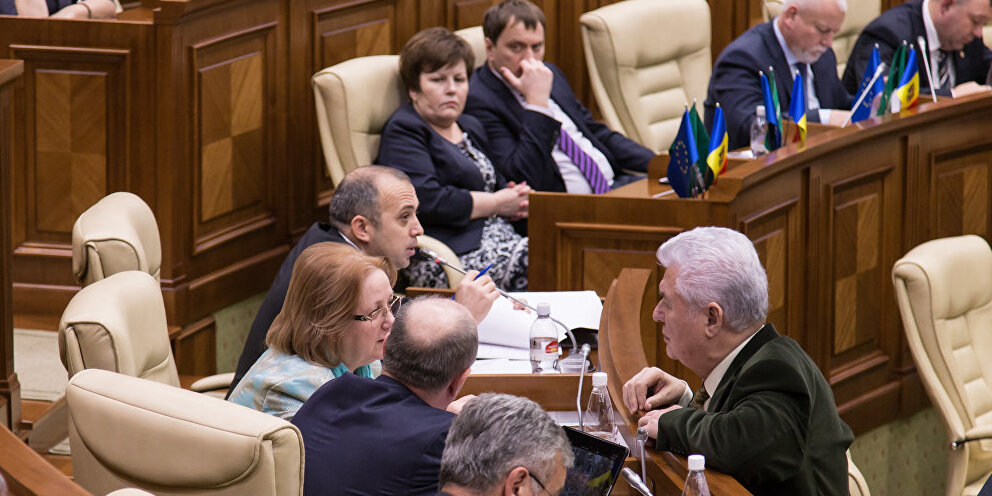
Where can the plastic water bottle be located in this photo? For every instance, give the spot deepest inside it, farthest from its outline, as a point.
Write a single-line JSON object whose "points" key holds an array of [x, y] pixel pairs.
{"points": [[598, 419], [543, 342], [759, 129], [695, 482]]}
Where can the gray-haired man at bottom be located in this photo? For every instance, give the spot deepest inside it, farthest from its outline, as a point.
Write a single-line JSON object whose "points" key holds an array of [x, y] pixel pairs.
{"points": [[504, 445]]}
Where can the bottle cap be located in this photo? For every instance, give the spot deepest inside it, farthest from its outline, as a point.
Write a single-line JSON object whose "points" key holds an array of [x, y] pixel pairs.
{"points": [[697, 462], [760, 110], [543, 309], [598, 379]]}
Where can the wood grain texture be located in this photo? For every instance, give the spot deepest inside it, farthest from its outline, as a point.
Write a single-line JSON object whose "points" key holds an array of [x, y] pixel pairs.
{"points": [[10, 390], [28, 474]]}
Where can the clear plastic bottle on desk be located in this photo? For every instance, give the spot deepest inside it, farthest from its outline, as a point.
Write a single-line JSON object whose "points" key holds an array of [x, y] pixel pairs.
{"points": [[695, 482], [759, 130], [543, 342], [598, 419]]}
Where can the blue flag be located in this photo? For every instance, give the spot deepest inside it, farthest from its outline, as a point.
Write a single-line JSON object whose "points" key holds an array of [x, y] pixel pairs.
{"points": [[863, 111], [682, 159], [774, 138]]}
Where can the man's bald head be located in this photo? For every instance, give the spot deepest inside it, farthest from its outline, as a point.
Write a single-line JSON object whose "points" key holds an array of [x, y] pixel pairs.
{"points": [[358, 194], [432, 342]]}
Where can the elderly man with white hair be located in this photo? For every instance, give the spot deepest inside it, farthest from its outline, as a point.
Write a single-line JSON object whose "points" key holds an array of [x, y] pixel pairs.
{"points": [[799, 39], [765, 414]]}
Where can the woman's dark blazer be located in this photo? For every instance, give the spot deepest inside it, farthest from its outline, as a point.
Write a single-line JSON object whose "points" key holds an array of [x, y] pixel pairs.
{"points": [[442, 175]]}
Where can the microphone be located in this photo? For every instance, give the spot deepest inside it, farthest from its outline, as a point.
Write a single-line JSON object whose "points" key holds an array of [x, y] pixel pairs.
{"points": [[642, 439], [635, 482], [920, 42], [878, 73]]}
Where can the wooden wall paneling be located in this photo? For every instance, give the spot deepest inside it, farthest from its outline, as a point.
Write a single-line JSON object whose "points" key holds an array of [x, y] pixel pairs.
{"points": [[81, 137], [730, 19], [10, 390]]}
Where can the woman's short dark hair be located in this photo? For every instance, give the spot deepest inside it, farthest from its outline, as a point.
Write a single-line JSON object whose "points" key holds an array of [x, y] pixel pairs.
{"points": [[432, 49]]}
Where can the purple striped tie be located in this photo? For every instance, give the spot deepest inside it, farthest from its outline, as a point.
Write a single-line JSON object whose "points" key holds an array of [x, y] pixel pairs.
{"points": [[584, 162]]}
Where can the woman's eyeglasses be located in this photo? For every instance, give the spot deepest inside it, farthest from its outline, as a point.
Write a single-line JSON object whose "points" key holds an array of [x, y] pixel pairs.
{"points": [[393, 305]]}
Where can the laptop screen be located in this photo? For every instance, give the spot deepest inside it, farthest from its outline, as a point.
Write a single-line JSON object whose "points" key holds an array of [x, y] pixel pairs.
{"points": [[597, 464]]}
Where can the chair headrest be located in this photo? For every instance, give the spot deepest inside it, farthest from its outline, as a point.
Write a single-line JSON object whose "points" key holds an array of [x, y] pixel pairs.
{"points": [[958, 271], [131, 425], [118, 324], [117, 234]]}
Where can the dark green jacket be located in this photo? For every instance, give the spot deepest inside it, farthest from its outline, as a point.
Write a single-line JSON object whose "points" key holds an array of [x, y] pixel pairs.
{"points": [[772, 423]]}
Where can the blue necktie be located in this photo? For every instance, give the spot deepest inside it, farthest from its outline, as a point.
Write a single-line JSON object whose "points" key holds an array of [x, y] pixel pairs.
{"points": [[584, 162]]}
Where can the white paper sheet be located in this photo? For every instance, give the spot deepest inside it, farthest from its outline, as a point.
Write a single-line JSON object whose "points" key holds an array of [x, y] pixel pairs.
{"points": [[510, 328]]}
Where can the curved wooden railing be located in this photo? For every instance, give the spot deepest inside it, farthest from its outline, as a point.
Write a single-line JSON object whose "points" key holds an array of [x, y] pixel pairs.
{"points": [[28, 474]]}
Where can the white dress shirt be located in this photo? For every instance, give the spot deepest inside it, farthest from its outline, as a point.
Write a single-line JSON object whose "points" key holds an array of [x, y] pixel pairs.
{"points": [[575, 181], [933, 50]]}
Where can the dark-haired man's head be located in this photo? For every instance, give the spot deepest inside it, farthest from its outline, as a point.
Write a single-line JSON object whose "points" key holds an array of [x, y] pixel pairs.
{"points": [[514, 31], [376, 208]]}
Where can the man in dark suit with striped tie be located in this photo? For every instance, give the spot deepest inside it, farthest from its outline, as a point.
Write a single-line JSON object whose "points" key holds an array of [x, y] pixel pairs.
{"points": [[538, 130], [952, 30]]}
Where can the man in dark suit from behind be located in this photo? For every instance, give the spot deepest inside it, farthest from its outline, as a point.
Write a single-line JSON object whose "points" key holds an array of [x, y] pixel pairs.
{"points": [[952, 30], [765, 414], [386, 436], [800, 38], [538, 130], [374, 209]]}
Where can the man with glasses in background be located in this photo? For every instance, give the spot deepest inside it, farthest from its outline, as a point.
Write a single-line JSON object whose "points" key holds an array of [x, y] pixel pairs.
{"points": [[502, 444], [799, 39]]}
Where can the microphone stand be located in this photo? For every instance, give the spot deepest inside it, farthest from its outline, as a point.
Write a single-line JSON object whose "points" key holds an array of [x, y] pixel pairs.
{"points": [[878, 74], [926, 64], [642, 439]]}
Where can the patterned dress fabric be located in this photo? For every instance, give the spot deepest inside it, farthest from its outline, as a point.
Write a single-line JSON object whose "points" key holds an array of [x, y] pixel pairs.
{"points": [[501, 245], [279, 384]]}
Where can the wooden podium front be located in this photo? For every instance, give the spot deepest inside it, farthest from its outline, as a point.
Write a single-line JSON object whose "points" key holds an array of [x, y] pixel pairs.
{"points": [[828, 220]]}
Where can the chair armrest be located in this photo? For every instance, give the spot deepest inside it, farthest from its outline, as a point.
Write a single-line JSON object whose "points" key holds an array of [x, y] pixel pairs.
{"points": [[979, 433], [212, 382]]}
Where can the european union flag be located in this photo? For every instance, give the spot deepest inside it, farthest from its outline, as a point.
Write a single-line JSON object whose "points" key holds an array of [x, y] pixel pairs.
{"points": [[682, 159], [863, 111]]}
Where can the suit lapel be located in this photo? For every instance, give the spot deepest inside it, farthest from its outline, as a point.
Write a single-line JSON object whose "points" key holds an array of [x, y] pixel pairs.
{"points": [[501, 91], [764, 335], [783, 73]]}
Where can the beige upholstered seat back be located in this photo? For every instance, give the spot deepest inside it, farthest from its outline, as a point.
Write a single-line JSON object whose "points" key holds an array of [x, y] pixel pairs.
{"points": [[944, 290], [646, 59], [116, 234], [130, 432], [859, 14], [118, 324], [477, 40], [354, 99], [856, 483]]}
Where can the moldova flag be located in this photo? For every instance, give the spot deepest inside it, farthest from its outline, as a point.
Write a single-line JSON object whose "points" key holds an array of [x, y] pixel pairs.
{"points": [[797, 108], [682, 159], [717, 158], [908, 90]]}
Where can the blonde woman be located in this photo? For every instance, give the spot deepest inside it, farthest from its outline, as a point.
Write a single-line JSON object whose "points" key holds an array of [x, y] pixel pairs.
{"points": [[337, 316]]}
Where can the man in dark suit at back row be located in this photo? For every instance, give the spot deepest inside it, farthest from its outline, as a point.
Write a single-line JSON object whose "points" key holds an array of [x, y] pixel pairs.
{"points": [[799, 39], [952, 30], [538, 130]]}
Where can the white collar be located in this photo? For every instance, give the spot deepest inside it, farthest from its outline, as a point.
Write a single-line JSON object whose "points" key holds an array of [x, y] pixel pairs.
{"points": [[716, 376], [789, 57], [349, 241], [933, 41]]}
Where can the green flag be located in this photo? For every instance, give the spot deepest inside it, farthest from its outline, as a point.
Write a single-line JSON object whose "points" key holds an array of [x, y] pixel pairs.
{"points": [[702, 143], [777, 112], [895, 73]]}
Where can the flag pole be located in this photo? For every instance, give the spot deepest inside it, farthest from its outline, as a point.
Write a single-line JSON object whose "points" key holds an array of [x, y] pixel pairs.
{"points": [[926, 63], [878, 73]]}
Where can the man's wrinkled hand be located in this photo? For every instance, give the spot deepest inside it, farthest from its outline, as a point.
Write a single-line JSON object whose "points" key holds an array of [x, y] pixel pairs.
{"points": [[650, 420], [651, 388], [534, 82]]}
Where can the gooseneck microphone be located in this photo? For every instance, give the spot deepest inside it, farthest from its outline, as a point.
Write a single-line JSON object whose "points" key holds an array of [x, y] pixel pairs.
{"points": [[642, 439], [635, 482]]}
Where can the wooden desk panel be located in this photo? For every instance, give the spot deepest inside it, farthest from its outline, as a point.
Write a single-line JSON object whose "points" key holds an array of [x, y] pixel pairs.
{"points": [[10, 390], [828, 221]]}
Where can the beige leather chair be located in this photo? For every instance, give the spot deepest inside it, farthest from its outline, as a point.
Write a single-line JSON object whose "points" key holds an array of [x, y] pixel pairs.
{"points": [[944, 290], [477, 40], [130, 432], [647, 59], [116, 234], [859, 14], [354, 99], [855, 481]]}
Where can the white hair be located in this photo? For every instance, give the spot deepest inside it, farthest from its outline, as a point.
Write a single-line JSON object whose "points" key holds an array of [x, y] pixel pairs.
{"points": [[807, 3], [719, 265]]}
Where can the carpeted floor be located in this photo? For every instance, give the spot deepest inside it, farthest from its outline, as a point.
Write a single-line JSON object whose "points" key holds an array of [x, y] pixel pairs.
{"points": [[36, 361]]}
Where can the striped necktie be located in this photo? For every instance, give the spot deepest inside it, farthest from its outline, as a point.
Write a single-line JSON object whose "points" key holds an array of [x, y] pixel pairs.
{"points": [[584, 162], [812, 115], [699, 399], [943, 70]]}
